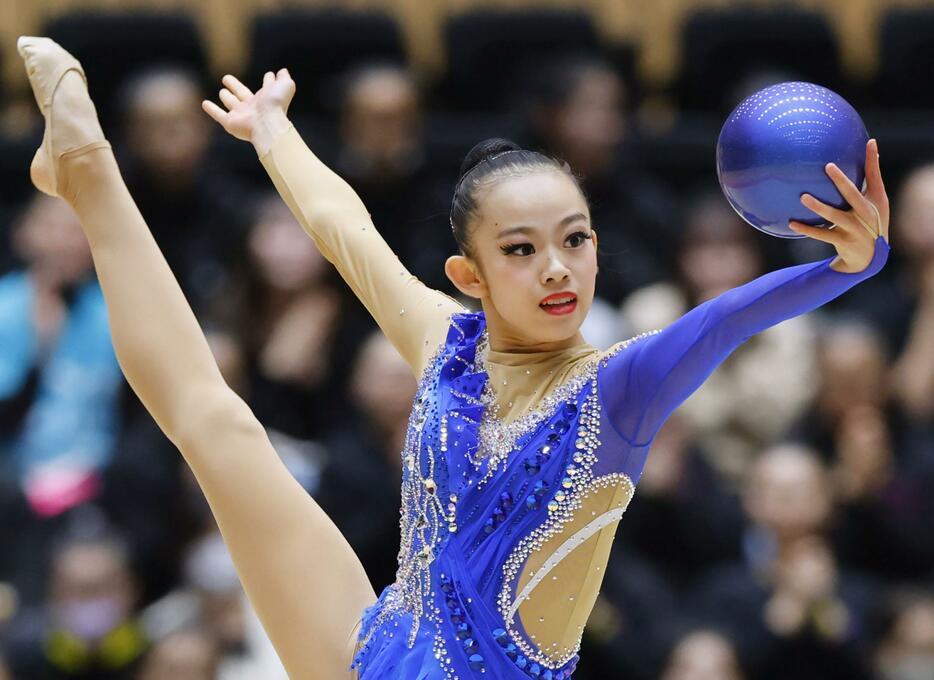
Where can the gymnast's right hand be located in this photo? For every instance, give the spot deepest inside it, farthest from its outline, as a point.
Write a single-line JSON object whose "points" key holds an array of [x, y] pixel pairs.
{"points": [[254, 117]]}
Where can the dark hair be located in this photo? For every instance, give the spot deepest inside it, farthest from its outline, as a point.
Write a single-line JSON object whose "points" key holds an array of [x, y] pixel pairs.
{"points": [[493, 158]]}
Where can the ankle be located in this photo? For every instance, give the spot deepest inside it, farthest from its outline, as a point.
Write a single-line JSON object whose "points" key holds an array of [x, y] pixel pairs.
{"points": [[83, 169]]}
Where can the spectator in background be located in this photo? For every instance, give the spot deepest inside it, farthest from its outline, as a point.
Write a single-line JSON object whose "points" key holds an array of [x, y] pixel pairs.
{"points": [[764, 385], [382, 154], [883, 520], [912, 377], [576, 111], [625, 635], [59, 377], [188, 654], [906, 651], [295, 323], [361, 479], [795, 612], [703, 654], [192, 207], [87, 627], [681, 498], [211, 601]]}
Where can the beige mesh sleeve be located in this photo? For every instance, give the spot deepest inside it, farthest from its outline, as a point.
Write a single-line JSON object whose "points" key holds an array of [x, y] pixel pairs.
{"points": [[413, 316]]}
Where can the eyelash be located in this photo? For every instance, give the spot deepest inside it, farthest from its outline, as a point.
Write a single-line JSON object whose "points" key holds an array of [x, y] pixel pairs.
{"points": [[513, 247]]}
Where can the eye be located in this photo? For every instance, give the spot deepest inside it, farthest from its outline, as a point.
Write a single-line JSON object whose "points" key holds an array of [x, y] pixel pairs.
{"points": [[580, 236], [514, 247]]}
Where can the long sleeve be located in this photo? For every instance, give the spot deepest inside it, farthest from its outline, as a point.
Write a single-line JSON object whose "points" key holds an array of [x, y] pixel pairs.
{"points": [[644, 384], [413, 316]]}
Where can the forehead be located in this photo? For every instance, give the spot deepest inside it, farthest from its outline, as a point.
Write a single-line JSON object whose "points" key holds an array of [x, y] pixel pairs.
{"points": [[537, 199]]}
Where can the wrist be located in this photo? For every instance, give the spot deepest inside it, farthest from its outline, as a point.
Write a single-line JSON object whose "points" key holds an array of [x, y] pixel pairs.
{"points": [[267, 129]]}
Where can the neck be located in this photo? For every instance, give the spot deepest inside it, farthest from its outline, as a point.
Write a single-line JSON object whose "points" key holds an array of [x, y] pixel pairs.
{"points": [[503, 338]]}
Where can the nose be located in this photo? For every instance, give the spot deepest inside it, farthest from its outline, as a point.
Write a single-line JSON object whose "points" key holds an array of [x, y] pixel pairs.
{"points": [[555, 270]]}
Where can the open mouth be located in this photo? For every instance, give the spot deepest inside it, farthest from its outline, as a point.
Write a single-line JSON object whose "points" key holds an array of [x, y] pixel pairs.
{"points": [[562, 305]]}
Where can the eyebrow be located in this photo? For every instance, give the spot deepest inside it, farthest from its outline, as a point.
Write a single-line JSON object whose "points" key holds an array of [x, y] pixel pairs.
{"points": [[525, 230]]}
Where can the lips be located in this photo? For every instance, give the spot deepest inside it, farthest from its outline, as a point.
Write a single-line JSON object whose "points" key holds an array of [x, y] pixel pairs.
{"points": [[559, 303]]}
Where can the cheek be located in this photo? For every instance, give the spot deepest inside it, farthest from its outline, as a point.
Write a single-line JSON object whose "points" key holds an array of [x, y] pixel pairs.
{"points": [[509, 279]]}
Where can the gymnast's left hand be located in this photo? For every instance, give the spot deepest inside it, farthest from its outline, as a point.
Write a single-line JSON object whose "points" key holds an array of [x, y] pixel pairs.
{"points": [[855, 230], [256, 117]]}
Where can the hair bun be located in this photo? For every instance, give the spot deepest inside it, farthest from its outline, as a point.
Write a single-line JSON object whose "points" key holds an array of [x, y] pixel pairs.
{"points": [[483, 150]]}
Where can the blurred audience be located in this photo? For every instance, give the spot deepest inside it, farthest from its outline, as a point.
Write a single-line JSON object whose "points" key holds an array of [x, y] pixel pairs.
{"points": [[212, 603], [59, 378], [360, 483], [703, 654], [183, 655], [912, 376], [794, 610], [295, 322], [906, 651], [783, 527], [576, 112], [193, 207], [87, 627], [382, 152]]}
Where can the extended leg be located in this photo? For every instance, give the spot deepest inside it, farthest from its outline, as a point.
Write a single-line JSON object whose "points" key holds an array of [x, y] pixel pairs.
{"points": [[301, 575]]}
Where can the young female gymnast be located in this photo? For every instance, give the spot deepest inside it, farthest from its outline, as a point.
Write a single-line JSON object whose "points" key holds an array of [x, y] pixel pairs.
{"points": [[524, 444]]}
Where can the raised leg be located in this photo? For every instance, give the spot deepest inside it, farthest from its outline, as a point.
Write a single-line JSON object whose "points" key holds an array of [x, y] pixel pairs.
{"points": [[304, 580]]}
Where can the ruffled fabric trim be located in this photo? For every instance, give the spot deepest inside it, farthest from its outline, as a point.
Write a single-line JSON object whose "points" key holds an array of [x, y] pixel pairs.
{"points": [[461, 384]]}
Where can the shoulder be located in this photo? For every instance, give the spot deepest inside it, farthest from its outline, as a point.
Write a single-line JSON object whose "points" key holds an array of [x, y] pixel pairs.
{"points": [[606, 355]]}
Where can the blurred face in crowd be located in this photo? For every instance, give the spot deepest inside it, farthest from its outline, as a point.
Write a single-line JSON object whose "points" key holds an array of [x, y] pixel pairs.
{"points": [[50, 240], [382, 385], [381, 122], [914, 214], [189, 655], [588, 126], [513, 272], [907, 653], [718, 251], [210, 574], [285, 258], [166, 129], [703, 655], [787, 492], [852, 367], [91, 590]]}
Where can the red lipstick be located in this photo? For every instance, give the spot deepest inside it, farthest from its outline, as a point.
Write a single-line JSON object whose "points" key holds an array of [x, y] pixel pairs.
{"points": [[567, 305]]}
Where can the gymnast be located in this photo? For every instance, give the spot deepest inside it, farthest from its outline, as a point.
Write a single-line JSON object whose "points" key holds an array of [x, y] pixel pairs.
{"points": [[525, 443]]}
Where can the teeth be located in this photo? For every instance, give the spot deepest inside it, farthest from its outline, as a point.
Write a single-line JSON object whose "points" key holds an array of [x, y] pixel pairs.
{"points": [[559, 302]]}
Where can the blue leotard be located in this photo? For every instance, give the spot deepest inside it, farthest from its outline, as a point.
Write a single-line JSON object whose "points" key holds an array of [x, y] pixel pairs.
{"points": [[490, 513]]}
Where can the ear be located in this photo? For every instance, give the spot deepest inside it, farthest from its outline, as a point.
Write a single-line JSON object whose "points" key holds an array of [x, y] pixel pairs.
{"points": [[465, 275]]}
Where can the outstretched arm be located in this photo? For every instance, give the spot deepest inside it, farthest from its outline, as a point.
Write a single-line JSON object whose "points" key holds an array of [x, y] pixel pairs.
{"points": [[413, 316], [643, 385]]}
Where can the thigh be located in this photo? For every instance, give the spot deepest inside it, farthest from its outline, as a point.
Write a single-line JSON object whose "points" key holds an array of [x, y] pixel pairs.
{"points": [[304, 580]]}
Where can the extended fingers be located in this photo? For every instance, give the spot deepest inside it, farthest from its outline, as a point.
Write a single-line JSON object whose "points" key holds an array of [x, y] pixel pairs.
{"points": [[214, 111], [875, 188], [846, 188], [227, 98], [828, 212], [236, 87], [832, 236], [874, 184]]}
